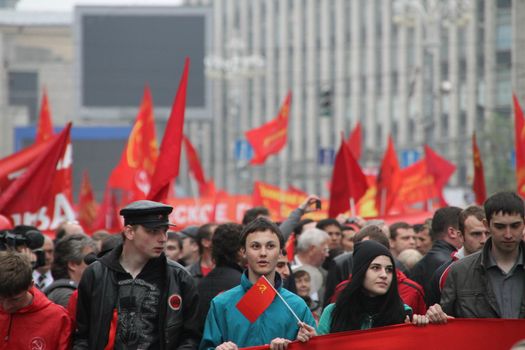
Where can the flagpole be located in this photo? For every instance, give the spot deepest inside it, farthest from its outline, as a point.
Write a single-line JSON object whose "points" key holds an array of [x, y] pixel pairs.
{"points": [[285, 303], [282, 179], [383, 204], [352, 207]]}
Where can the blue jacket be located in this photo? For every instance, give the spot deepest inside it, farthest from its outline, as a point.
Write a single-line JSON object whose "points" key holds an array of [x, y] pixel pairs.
{"points": [[226, 323]]}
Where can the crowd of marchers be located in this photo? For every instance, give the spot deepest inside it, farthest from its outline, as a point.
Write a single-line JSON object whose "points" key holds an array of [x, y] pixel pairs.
{"points": [[155, 286]]}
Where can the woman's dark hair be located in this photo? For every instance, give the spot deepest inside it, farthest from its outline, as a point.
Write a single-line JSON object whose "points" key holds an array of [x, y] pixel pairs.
{"points": [[353, 306]]}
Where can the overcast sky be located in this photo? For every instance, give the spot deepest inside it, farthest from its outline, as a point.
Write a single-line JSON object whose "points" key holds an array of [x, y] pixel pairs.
{"points": [[67, 5]]}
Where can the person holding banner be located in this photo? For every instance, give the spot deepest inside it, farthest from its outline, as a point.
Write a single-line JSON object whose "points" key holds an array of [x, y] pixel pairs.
{"points": [[491, 282], [371, 299], [258, 311]]}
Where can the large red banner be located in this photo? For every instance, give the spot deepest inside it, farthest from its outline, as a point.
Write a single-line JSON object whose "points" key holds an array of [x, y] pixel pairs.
{"points": [[464, 334], [198, 211]]}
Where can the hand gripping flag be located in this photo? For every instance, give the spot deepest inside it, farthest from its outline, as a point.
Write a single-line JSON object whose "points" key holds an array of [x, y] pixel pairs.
{"points": [[257, 299]]}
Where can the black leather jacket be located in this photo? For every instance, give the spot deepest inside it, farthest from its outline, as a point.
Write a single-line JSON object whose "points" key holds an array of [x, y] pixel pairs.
{"points": [[97, 297]]}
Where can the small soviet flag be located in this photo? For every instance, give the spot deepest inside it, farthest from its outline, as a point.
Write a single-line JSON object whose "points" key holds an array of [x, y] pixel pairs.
{"points": [[257, 299]]}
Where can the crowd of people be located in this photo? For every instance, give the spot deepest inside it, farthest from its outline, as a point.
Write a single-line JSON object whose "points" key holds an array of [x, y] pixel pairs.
{"points": [[154, 286]]}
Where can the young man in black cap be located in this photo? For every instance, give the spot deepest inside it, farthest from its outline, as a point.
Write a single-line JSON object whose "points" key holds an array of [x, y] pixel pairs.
{"points": [[154, 298]]}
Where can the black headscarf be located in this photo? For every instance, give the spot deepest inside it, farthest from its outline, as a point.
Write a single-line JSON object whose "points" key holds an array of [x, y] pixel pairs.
{"points": [[353, 306]]}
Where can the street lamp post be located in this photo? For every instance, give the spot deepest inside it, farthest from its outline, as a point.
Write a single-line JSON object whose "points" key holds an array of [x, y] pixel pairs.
{"points": [[234, 68], [432, 15]]}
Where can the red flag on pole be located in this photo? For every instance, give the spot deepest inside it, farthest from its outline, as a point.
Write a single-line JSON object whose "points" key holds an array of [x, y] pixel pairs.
{"points": [[271, 137], [354, 141], [41, 195], [137, 163], [440, 168], [519, 139], [348, 181], [87, 205], [45, 126], [385, 182], [167, 167], [256, 300], [193, 161], [12, 166], [478, 185]]}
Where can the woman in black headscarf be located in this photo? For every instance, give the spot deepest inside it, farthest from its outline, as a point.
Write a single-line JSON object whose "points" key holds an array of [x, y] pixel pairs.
{"points": [[371, 299]]}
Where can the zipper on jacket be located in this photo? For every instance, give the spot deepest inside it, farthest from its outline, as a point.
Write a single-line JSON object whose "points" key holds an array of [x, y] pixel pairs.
{"points": [[6, 339]]}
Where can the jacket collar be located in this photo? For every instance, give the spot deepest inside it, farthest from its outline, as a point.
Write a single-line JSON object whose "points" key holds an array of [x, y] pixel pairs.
{"points": [[246, 284], [485, 253]]}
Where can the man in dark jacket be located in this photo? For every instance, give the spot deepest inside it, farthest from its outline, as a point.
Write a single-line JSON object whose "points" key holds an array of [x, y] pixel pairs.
{"points": [[226, 246], [68, 266], [490, 283], [155, 299], [446, 239]]}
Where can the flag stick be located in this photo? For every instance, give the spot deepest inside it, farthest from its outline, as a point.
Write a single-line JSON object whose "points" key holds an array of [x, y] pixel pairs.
{"points": [[383, 200], [285, 303], [352, 207]]}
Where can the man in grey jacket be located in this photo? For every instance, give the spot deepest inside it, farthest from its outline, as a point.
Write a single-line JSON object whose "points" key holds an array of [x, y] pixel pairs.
{"points": [[490, 283]]}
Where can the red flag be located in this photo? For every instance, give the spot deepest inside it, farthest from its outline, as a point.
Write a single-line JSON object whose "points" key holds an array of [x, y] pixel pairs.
{"points": [[519, 139], [108, 217], [167, 167], [348, 181], [271, 137], [354, 141], [257, 299], [478, 185], [193, 161], [41, 195], [414, 184], [137, 163], [440, 168], [11, 167], [87, 205], [385, 193], [458, 333], [45, 127]]}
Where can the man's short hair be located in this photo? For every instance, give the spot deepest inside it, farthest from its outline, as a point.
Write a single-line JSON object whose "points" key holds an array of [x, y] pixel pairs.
{"points": [[473, 210], [505, 203], [16, 273], [259, 225], [226, 243], [70, 248], [298, 229], [443, 219], [253, 213], [396, 226], [204, 232], [374, 233], [175, 236], [422, 227], [322, 224], [311, 237]]}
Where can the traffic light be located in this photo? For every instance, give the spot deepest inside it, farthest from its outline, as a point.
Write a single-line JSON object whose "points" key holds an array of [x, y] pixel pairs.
{"points": [[325, 102]]}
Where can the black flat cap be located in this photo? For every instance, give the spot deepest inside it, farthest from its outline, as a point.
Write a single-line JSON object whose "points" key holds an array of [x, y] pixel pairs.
{"points": [[147, 213]]}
